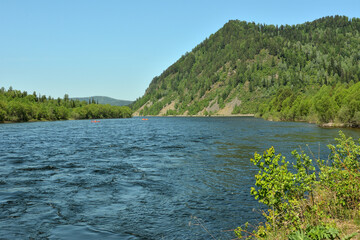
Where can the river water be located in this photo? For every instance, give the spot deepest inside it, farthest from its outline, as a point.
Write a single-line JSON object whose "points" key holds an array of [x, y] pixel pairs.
{"points": [[134, 179]]}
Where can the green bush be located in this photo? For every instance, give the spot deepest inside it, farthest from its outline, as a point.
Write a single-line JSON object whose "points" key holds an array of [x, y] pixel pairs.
{"points": [[295, 195], [316, 233], [342, 175]]}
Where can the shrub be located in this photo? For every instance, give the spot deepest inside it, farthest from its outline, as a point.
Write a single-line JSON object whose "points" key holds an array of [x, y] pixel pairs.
{"points": [[295, 195]]}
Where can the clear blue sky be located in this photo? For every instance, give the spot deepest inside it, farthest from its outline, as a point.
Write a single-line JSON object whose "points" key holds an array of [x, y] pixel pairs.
{"points": [[115, 47]]}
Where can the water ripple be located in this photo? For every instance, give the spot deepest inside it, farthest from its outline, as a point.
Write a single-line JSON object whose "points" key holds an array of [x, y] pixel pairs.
{"points": [[131, 179]]}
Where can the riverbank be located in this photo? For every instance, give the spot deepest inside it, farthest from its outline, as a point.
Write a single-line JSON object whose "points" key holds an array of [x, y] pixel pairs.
{"points": [[338, 125], [323, 125], [47, 120], [315, 199], [17, 106], [215, 115]]}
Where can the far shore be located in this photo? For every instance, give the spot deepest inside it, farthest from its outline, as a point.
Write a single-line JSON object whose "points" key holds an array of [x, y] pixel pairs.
{"points": [[215, 115], [57, 120], [322, 125]]}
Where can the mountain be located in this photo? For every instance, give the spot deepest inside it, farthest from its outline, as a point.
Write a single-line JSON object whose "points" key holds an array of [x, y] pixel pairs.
{"points": [[105, 100], [265, 70]]}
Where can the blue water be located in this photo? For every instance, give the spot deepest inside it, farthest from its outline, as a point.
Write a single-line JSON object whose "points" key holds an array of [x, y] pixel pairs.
{"points": [[134, 179]]}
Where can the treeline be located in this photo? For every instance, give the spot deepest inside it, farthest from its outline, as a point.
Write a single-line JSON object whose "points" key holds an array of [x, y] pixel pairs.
{"points": [[337, 104], [17, 106], [253, 61]]}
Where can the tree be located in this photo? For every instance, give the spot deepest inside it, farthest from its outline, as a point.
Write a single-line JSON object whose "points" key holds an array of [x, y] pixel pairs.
{"points": [[326, 109], [66, 97]]}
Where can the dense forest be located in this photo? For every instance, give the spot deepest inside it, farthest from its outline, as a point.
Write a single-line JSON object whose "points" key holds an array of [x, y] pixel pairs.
{"points": [[17, 106], [304, 72]]}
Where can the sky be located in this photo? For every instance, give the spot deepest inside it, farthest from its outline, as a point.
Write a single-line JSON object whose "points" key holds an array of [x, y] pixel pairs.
{"points": [[115, 48]]}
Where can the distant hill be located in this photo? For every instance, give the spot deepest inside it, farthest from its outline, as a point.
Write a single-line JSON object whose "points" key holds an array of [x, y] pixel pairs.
{"points": [[105, 100]]}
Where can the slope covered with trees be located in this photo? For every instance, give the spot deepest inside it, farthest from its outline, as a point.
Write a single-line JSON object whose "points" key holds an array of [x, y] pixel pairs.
{"points": [[307, 72], [17, 106]]}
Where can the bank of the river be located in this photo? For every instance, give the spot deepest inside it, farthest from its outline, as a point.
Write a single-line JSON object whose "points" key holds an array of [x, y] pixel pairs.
{"points": [[336, 124], [17, 106], [339, 224], [339, 125], [47, 120], [316, 199], [214, 115], [34, 120], [323, 125]]}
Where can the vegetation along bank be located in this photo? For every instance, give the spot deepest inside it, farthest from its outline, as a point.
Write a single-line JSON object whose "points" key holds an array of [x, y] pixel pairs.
{"points": [[17, 106], [309, 199]]}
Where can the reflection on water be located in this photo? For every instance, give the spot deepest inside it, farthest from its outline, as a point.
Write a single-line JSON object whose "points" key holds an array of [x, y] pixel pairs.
{"points": [[133, 179]]}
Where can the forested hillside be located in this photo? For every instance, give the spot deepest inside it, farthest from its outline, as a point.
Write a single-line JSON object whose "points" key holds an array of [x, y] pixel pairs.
{"points": [[306, 72], [17, 106]]}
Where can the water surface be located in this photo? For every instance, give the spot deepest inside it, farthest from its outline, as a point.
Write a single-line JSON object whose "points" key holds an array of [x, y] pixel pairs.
{"points": [[134, 179]]}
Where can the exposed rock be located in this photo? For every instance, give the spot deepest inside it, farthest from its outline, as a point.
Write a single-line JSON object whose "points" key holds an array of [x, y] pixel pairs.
{"points": [[229, 107], [170, 106], [213, 107], [137, 112]]}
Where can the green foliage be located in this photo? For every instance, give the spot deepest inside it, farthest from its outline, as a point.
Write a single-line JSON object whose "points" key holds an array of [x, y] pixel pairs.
{"points": [[329, 104], [17, 106], [236, 109], [281, 189], [271, 65], [319, 233], [2, 115], [303, 201], [342, 176], [316, 233]]}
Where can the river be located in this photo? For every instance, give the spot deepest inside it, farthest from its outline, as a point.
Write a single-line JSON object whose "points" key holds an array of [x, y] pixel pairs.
{"points": [[135, 179]]}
